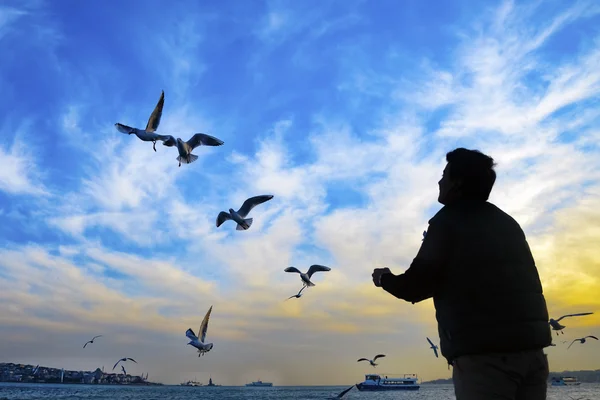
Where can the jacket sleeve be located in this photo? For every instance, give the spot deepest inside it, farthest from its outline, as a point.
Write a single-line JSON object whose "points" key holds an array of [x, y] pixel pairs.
{"points": [[420, 280]]}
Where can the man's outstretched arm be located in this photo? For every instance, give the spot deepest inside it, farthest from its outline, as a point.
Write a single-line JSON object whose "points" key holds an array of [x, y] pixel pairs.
{"points": [[419, 281]]}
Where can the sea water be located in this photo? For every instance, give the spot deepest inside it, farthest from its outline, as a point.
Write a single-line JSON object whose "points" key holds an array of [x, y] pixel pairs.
{"points": [[14, 391]]}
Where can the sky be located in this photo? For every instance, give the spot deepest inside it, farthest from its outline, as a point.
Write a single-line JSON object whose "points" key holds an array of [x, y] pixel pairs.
{"points": [[343, 111]]}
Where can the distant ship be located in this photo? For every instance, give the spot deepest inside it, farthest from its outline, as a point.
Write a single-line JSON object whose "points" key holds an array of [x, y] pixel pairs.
{"points": [[191, 383], [376, 382], [565, 381], [259, 383]]}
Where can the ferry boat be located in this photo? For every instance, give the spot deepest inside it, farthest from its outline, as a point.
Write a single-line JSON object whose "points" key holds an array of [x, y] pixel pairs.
{"points": [[259, 383], [191, 383], [377, 382], [565, 381]]}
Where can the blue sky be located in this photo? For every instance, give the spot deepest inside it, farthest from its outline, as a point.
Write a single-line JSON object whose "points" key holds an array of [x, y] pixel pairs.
{"points": [[342, 110]]}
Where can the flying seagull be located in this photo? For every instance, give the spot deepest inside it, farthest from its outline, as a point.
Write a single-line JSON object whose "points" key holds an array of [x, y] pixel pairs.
{"points": [[91, 341], [299, 293], [558, 327], [185, 148], [343, 392], [306, 276], [198, 342], [372, 362], [581, 340], [123, 368], [434, 347], [240, 215], [149, 134], [123, 359]]}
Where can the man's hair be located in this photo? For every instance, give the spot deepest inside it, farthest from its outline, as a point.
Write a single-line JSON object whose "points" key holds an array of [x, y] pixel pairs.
{"points": [[475, 170]]}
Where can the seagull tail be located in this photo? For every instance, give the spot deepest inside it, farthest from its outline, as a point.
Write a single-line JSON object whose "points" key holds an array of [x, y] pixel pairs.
{"points": [[187, 160], [239, 227], [310, 284]]}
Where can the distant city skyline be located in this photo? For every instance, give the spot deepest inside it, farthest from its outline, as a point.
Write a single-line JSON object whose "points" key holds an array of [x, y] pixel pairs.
{"points": [[344, 112]]}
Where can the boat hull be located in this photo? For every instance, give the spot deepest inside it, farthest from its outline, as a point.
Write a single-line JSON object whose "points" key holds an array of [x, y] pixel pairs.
{"points": [[565, 381], [259, 384], [385, 388]]}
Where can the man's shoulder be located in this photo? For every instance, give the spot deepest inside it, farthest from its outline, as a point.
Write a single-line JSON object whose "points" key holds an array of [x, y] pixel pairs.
{"points": [[456, 212]]}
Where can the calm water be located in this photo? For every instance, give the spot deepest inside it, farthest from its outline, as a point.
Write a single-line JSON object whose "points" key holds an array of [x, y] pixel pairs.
{"points": [[75, 392]]}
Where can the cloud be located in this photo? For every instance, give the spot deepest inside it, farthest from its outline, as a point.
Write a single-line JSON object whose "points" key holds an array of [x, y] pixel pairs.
{"points": [[8, 16], [19, 173]]}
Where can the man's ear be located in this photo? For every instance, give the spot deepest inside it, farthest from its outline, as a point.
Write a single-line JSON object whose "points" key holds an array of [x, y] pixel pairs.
{"points": [[457, 184]]}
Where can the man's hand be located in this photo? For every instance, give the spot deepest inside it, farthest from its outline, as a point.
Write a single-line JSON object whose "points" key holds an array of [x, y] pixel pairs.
{"points": [[377, 273]]}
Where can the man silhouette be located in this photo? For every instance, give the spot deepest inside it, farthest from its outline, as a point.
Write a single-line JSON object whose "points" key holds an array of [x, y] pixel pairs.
{"points": [[476, 264]]}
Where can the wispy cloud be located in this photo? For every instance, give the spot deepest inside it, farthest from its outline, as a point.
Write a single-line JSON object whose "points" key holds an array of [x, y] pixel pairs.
{"points": [[19, 171], [8, 16]]}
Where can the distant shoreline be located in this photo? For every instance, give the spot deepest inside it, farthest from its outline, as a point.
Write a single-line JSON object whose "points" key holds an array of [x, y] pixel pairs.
{"points": [[86, 384], [583, 376], [27, 373]]}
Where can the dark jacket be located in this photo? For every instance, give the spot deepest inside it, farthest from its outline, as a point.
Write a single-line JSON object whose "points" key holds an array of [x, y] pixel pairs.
{"points": [[476, 264]]}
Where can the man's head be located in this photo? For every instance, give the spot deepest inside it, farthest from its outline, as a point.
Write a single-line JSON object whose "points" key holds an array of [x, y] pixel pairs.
{"points": [[468, 174]]}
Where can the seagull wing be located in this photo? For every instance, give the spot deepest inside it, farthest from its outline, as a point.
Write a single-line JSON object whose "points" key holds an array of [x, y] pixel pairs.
{"points": [[124, 128], [362, 359], [191, 335], [204, 140], [168, 140], [154, 119], [344, 392], [430, 342], [303, 287], [114, 366], [292, 269], [252, 202], [95, 337], [204, 325], [378, 356], [132, 360], [222, 217], [317, 268], [574, 315], [436, 353], [123, 368], [590, 336], [86, 343], [572, 343]]}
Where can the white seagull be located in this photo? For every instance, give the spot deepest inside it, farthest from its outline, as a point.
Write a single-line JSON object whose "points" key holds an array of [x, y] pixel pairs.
{"points": [[434, 347], [558, 327], [299, 293], [240, 215], [372, 362], [198, 342], [185, 148], [306, 276], [581, 340], [91, 341], [148, 134], [123, 359]]}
